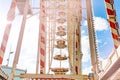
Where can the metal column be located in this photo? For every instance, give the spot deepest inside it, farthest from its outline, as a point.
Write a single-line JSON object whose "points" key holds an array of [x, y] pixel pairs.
{"points": [[17, 53]]}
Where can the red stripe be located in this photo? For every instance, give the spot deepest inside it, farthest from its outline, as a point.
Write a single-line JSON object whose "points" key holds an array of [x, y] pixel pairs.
{"points": [[1, 59], [76, 45], [112, 25], [42, 63], [42, 51], [5, 37], [13, 5], [42, 39], [43, 27], [11, 12], [77, 32], [3, 48], [115, 46], [114, 36], [76, 69], [43, 8], [9, 26], [109, 1], [110, 12], [76, 59]]}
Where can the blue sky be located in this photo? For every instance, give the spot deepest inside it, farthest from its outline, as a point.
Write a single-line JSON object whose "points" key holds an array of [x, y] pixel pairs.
{"points": [[103, 35]]}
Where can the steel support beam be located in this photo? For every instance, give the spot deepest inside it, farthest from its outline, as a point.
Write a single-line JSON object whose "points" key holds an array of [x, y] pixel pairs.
{"points": [[81, 77]]}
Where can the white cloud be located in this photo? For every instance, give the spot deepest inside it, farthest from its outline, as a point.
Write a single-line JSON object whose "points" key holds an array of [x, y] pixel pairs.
{"points": [[98, 41], [99, 23], [85, 49], [83, 31], [85, 23], [29, 46], [27, 59], [87, 70]]}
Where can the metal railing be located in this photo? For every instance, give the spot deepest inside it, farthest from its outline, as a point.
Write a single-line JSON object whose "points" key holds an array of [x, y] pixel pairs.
{"points": [[111, 62], [3, 75]]}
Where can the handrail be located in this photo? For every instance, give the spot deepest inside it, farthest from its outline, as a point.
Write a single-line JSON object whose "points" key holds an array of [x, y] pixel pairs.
{"points": [[2, 73], [111, 62]]}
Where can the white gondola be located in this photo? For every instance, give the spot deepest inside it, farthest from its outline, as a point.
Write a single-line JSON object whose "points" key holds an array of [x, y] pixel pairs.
{"points": [[61, 20], [61, 7], [60, 57], [60, 28], [61, 44], [59, 70], [61, 14], [61, 33]]}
